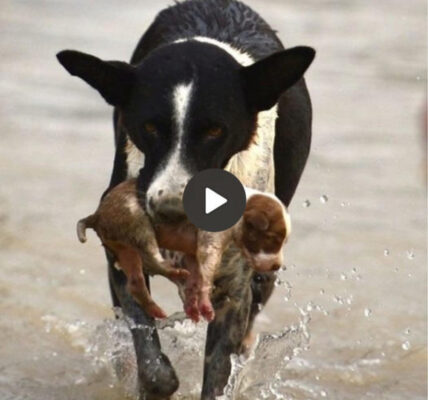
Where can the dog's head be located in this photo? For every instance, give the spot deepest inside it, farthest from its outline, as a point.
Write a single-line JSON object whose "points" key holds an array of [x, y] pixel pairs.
{"points": [[265, 228], [187, 106]]}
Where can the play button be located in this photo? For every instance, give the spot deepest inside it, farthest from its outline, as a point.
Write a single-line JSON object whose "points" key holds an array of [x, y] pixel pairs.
{"points": [[214, 200]]}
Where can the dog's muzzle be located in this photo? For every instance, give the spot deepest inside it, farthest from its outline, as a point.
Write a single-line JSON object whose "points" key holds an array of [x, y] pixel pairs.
{"points": [[167, 210]]}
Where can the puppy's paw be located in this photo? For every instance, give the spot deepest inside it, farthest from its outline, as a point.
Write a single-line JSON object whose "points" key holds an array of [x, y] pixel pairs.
{"points": [[207, 311], [178, 275], [192, 310], [154, 311]]}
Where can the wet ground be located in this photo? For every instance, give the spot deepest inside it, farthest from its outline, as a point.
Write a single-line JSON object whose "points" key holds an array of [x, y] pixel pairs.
{"points": [[350, 311]]}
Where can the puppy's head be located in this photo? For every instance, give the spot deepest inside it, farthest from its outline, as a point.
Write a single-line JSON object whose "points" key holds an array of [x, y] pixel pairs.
{"points": [[266, 226]]}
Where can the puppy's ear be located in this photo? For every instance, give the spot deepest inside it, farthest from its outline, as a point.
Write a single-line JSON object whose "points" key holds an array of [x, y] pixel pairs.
{"points": [[267, 79], [256, 219], [113, 79]]}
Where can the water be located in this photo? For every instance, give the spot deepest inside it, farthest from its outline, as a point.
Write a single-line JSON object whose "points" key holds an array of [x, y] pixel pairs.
{"points": [[347, 321]]}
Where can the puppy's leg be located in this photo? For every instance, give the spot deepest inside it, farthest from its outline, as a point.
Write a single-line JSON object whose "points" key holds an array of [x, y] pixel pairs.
{"points": [[155, 263], [192, 288], [156, 376], [232, 300], [209, 257], [130, 261]]}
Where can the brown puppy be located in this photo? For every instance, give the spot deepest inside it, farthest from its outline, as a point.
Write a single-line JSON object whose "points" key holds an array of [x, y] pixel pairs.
{"points": [[260, 234], [125, 230]]}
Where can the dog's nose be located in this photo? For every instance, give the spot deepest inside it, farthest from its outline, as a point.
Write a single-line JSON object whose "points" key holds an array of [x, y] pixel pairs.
{"points": [[169, 210]]}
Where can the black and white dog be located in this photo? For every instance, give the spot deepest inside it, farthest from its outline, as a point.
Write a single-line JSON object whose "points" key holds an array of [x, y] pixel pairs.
{"points": [[208, 86]]}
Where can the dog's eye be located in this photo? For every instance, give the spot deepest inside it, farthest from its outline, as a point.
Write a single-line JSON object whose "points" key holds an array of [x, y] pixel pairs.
{"points": [[214, 132], [150, 128]]}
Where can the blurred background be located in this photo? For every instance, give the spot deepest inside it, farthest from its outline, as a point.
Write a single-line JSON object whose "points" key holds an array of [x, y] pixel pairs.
{"points": [[354, 292]]}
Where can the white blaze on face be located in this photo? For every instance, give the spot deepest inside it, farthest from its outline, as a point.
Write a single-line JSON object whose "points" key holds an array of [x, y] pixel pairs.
{"points": [[265, 261], [172, 176]]}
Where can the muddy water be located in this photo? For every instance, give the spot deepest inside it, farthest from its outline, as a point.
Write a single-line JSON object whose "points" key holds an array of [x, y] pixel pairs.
{"points": [[348, 318]]}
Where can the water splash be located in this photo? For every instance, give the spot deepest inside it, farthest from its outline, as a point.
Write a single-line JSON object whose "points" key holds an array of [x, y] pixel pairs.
{"points": [[110, 355], [306, 204], [262, 374], [324, 199]]}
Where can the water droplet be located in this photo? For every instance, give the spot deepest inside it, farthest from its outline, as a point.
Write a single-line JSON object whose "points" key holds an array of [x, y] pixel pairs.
{"points": [[343, 277], [54, 354], [410, 254], [367, 312], [406, 345], [82, 272], [386, 252], [323, 393], [286, 298], [323, 199], [306, 203], [322, 291], [342, 204], [278, 282], [407, 331]]}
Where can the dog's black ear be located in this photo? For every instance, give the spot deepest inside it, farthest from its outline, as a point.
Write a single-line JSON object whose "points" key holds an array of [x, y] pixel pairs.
{"points": [[267, 79], [113, 79]]}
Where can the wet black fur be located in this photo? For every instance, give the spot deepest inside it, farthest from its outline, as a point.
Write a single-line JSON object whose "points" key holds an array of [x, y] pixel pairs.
{"points": [[138, 100]]}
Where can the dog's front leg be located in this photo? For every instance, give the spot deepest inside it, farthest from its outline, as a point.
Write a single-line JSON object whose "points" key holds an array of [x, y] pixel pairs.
{"points": [[156, 376], [232, 303]]}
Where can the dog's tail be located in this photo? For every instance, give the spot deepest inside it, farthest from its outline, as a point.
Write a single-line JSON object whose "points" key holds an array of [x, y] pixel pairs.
{"points": [[82, 225]]}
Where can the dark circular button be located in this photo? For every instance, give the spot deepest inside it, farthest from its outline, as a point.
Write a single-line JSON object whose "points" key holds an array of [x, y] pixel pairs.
{"points": [[214, 200]]}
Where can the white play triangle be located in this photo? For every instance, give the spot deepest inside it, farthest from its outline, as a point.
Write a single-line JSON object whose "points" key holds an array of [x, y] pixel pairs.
{"points": [[213, 201]]}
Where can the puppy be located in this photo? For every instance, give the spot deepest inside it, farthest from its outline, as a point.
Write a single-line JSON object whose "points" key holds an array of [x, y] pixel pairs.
{"points": [[260, 234], [126, 231]]}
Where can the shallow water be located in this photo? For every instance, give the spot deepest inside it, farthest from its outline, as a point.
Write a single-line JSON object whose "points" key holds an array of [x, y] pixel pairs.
{"points": [[348, 318]]}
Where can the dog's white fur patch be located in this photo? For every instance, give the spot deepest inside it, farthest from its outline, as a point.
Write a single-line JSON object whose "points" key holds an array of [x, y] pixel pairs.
{"points": [[243, 58], [134, 159], [259, 155], [173, 174]]}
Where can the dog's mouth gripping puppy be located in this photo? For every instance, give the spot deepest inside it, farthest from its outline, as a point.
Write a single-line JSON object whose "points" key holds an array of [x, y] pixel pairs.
{"points": [[125, 230]]}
